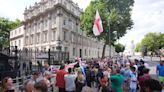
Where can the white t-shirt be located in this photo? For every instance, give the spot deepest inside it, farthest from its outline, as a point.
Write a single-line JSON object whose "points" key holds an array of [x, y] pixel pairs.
{"points": [[70, 82], [133, 80]]}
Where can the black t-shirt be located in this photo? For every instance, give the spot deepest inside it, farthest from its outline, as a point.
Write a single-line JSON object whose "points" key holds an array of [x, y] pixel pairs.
{"points": [[140, 70]]}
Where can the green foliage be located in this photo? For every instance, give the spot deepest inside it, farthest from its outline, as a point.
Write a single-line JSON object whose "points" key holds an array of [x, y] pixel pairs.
{"points": [[138, 47], [115, 12], [153, 41], [119, 47], [115, 15], [5, 27]]}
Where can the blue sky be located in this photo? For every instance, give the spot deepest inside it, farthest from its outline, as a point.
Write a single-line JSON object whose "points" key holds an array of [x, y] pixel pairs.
{"points": [[148, 16]]}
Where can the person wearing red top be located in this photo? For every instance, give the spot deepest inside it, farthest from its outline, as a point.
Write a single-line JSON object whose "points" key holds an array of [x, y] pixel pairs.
{"points": [[142, 79], [60, 83], [104, 83]]}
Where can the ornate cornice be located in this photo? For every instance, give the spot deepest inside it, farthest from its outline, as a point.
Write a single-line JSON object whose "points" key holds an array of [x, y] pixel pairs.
{"points": [[49, 10]]}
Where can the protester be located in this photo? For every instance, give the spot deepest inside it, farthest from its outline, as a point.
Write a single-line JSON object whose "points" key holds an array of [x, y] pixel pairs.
{"points": [[40, 86], [104, 82], [60, 82], [46, 77], [99, 76], [160, 71], [7, 85], [35, 77], [88, 76], [142, 78], [133, 80], [28, 86], [116, 80], [70, 81], [151, 85], [140, 69], [80, 81], [126, 74]]}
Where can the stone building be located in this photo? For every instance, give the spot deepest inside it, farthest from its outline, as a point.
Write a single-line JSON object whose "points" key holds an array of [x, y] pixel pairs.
{"points": [[17, 37], [55, 24]]}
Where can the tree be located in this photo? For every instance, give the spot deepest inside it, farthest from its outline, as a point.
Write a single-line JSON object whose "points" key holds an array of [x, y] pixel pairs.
{"points": [[153, 42], [119, 47], [138, 47], [6, 26], [115, 15]]}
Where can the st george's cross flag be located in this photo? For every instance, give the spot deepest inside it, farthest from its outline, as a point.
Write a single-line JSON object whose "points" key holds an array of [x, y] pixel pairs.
{"points": [[97, 27]]}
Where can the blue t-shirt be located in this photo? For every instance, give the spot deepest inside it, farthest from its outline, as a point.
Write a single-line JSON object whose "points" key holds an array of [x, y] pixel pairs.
{"points": [[160, 68], [126, 74]]}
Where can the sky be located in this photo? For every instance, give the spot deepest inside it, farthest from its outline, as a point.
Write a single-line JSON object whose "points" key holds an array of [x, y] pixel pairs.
{"points": [[147, 15]]}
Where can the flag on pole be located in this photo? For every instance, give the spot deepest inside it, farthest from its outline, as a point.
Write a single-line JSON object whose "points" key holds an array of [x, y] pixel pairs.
{"points": [[97, 27]]}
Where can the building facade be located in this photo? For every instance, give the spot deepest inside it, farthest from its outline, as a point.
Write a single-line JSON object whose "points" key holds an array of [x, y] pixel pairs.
{"points": [[55, 25], [17, 37]]}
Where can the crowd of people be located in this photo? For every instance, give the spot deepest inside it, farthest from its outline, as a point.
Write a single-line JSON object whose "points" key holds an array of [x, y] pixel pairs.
{"points": [[107, 75]]}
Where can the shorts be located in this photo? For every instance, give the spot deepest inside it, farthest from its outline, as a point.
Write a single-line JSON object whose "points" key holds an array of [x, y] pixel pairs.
{"points": [[161, 78]]}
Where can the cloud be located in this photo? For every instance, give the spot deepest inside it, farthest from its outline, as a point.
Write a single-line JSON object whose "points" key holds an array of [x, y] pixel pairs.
{"points": [[148, 16], [14, 8]]}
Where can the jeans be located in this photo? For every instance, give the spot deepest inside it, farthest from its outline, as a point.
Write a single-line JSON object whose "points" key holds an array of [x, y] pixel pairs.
{"points": [[133, 90]]}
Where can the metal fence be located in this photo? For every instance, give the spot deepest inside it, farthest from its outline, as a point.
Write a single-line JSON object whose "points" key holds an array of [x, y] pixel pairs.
{"points": [[26, 60]]}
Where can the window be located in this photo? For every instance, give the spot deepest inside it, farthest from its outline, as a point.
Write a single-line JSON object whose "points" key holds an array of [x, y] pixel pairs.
{"points": [[64, 35], [45, 37], [32, 38], [64, 22], [44, 49], [20, 43], [15, 43], [26, 41], [53, 48], [65, 49], [74, 51], [45, 23], [85, 52], [38, 25], [37, 38], [53, 35], [11, 43], [19, 30], [54, 20]]}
